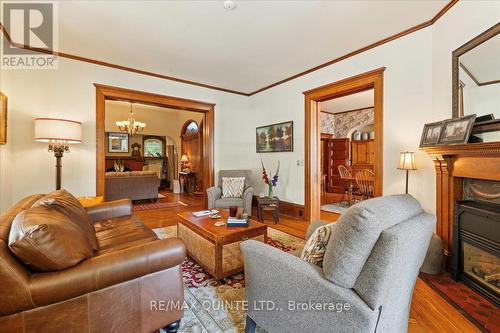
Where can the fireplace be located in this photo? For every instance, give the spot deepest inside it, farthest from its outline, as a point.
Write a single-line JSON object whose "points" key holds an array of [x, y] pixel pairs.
{"points": [[476, 238]]}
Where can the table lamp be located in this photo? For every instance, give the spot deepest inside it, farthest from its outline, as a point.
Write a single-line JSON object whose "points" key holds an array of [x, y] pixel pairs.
{"points": [[407, 162], [58, 133], [184, 162]]}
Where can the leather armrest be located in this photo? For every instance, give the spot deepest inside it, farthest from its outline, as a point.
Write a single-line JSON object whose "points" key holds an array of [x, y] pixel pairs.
{"points": [[106, 270], [110, 209]]}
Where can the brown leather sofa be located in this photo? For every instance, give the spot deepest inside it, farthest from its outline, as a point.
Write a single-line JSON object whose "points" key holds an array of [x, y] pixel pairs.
{"points": [[126, 286]]}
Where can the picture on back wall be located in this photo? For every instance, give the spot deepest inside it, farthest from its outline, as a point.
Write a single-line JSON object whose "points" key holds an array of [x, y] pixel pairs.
{"points": [[275, 138]]}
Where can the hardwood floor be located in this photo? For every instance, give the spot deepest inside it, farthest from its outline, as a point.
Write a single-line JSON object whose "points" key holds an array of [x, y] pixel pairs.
{"points": [[429, 311]]}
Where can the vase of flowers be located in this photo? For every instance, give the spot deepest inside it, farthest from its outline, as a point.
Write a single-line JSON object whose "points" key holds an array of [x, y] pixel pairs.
{"points": [[271, 183]]}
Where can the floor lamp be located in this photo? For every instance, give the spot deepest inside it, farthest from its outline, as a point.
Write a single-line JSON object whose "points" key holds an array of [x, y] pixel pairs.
{"points": [[407, 162], [58, 133]]}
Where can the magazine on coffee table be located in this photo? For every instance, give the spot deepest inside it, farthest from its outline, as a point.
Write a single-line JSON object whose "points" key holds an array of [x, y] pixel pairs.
{"points": [[207, 212]]}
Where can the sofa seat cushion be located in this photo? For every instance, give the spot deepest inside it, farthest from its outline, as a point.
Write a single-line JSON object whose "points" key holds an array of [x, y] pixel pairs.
{"points": [[45, 239], [122, 232], [106, 270], [65, 202], [356, 232], [228, 202]]}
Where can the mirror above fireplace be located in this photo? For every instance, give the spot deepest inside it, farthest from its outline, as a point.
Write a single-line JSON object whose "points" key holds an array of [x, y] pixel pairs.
{"points": [[476, 82]]}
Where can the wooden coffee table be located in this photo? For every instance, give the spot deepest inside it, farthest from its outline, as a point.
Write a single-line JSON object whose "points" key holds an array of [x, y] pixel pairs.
{"points": [[217, 249]]}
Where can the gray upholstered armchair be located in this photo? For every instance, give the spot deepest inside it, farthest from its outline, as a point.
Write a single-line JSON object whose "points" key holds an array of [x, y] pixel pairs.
{"points": [[214, 193], [366, 283]]}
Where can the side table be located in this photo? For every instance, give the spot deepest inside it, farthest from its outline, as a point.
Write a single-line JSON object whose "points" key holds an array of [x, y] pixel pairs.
{"points": [[270, 204]]}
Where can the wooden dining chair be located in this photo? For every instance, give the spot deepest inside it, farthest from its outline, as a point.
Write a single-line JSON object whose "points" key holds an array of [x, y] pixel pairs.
{"points": [[346, 178], [364, 180]]}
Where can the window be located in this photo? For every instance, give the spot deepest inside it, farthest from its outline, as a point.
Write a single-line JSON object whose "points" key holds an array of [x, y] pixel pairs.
{"points": [[153, 147], [191, 128]]}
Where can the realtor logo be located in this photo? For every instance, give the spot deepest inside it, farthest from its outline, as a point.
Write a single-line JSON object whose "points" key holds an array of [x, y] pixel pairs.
{"points": [[33, 25]]}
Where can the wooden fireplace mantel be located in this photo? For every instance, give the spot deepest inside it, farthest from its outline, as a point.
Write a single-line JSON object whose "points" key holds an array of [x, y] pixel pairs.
{"points": [[454, 163]]}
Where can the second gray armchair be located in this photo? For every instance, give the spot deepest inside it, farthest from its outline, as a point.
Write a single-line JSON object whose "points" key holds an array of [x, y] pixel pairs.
{"points": [[214, 194], [366, 283]]}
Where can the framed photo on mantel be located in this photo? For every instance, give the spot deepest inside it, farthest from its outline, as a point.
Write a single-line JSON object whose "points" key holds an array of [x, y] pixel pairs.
{"points": [[275, 138], [3, 119], [452, 131], [431, 133], [456, 131]]}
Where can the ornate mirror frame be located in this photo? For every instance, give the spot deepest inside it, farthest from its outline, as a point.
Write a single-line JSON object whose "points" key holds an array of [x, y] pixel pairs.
{"points": [[491, 32]]}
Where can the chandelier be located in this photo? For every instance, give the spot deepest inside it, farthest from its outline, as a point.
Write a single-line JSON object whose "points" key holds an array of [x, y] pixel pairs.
{"points": [[131, 126]]}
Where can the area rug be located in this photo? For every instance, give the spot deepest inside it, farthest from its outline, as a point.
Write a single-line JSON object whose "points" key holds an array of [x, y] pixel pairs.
{"points": [[201, 290], [137, 207], [334, 208], [480, 311]]}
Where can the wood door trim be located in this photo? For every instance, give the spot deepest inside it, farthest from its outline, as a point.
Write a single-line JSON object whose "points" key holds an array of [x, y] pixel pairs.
{"points": [[353, 110], [104, 92], [231, 91], [372, 79]]}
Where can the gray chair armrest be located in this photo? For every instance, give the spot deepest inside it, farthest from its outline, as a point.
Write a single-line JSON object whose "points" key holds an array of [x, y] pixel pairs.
{"points": [[284, 280], [213, 193], [313, 226], [110, 209], [247, 200]]}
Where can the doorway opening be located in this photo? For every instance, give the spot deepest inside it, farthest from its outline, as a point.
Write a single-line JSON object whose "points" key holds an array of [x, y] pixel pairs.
{"points": [[344, 150], [156, 147]]}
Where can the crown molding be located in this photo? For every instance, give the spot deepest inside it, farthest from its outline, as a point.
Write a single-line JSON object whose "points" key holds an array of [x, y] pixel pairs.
{"points": [[231, 91]]}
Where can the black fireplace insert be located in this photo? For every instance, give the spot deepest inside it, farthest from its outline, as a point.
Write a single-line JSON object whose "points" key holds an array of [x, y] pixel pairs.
{"points": [[476, 247]]}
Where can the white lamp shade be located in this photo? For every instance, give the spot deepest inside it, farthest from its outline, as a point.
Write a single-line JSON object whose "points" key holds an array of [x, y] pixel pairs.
{"points": [[407, 161], [53, 129], [184, 158]]}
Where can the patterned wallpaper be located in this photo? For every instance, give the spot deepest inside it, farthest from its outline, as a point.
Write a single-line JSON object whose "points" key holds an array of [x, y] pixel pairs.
{"points": [[341, 124]]}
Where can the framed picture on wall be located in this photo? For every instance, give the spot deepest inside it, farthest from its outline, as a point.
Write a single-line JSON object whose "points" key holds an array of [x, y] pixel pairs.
{"points": [[430, 135], [118, 143], [275, 138], [3, 119]]}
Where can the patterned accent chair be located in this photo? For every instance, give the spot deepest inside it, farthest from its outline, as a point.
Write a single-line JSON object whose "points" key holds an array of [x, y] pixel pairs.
{"points": [[214, 193]]}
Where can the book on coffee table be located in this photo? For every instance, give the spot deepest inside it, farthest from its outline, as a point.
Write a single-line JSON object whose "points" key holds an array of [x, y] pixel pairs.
{"points": [[234, 222]]}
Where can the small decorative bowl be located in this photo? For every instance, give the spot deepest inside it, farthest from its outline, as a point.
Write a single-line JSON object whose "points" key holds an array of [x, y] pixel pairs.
{"points": [[215, 216]]}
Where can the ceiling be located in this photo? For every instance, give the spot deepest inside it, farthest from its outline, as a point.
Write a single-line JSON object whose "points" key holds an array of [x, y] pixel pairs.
{"points": [[483, 61], [245, 49], [351, 102]]}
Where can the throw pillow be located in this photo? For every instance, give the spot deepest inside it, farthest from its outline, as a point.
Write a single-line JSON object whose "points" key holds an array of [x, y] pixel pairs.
{"points": [[44, 239], [66, 203], [314, 250], [232, 187]]}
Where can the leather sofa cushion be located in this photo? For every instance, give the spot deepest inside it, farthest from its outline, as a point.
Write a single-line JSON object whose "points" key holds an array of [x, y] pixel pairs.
{"points": [[65, 202], [45, 239], [122, 232]]}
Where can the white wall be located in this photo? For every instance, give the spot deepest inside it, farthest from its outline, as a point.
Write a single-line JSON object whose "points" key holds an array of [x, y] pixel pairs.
{"points": [[407, 106], [27, 167]]}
